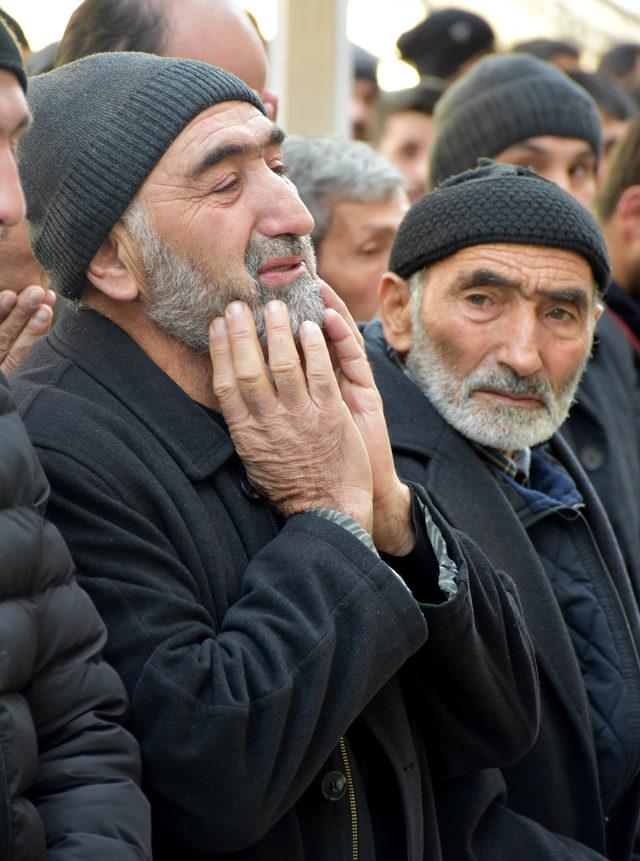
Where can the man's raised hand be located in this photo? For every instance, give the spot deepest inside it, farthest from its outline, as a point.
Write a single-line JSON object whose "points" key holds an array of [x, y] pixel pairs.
{"points": [[24, 317], [295, 434]]}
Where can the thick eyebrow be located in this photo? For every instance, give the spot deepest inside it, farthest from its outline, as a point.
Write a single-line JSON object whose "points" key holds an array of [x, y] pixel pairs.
{"points": [[231, 150], [488, 278], [570, 295], [538, 149], [484, 278]]}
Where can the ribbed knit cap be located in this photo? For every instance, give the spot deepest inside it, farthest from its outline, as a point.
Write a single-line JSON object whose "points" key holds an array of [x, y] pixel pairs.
{"points": [[100, 125], [502, 101], [10, 57], [496, 203]]}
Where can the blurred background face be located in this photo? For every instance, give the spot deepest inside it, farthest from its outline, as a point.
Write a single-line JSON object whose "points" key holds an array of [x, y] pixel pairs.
{"points": [[569, 162], [405, 141], [364, 94], [354, 253]]}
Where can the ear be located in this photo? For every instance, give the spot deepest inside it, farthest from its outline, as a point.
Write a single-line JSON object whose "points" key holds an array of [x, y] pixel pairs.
{"points": [[394, 300], [116, 269], [627, 214]]}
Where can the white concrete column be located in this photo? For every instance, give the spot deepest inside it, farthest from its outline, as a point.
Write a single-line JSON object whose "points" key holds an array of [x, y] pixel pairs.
{"points": [[311, 67]]}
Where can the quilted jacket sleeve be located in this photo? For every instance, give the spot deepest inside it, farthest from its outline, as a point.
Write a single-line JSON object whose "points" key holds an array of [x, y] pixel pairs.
{"points": [[61, 704]]}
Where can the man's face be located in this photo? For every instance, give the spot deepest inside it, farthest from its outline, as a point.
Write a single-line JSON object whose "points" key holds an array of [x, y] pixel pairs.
{"points": [[364, 94], [405, 141], [569, 162], [216, 220], [14, 118], [354, 253], [500, 336], [613, 131]]}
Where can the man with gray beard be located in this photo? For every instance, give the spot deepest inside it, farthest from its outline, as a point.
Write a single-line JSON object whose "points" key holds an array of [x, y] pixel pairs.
{"points": [[488, 314], [286, 614]]}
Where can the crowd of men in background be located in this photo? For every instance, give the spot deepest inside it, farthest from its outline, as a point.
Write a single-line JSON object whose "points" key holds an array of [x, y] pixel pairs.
{"points": [[319, 458]]}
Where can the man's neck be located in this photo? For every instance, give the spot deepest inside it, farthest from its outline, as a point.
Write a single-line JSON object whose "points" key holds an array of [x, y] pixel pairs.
{"points": [[187, 368]]}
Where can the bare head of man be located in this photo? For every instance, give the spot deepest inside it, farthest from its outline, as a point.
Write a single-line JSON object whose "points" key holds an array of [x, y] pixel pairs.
{"points": [[494, 316]]}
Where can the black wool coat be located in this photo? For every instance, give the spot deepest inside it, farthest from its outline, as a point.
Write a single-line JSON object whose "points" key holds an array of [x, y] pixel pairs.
{"points": [[270, 666], [69, 772], [548, 805]]}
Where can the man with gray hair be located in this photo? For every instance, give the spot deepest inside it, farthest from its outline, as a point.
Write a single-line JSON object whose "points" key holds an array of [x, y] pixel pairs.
{"points": [[357, 200], [488, 315]]}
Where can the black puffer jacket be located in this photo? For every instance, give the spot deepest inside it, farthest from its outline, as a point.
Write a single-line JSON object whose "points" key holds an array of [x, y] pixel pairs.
{"points": [[69, 773]]}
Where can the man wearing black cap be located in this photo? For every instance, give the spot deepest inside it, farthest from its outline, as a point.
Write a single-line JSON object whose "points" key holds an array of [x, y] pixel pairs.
{"points": [[520, 110], [447, 43], [69, 772], [230, 534], [488, 315]]}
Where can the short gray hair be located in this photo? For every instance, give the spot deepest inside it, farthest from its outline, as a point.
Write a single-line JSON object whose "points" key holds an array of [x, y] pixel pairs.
{"points": [[329, 170]]}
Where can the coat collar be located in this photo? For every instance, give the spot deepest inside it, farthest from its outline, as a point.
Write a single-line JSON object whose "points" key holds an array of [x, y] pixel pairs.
{"points": [[107, 354]]}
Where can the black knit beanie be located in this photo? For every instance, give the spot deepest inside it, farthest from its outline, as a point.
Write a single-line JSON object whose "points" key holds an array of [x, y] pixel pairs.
{"points": [[444, 41], [100, 125], [502, 101], [496, 203], [10, 57]]}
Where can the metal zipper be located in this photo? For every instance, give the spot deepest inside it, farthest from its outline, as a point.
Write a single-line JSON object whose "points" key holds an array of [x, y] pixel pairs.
{"points": [[352, 799]]}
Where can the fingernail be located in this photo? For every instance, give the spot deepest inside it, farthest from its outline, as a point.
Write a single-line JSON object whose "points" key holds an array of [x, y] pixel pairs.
{"points": [[219, 326], [51, 296], [41, 317], [235, 309], [7, 300], [34, 298], [275, 309], [309, 326]]}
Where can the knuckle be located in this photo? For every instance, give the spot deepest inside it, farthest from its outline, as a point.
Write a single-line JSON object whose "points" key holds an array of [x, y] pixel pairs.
{"points": [[282, 368], [249, 376], [223, 388]]}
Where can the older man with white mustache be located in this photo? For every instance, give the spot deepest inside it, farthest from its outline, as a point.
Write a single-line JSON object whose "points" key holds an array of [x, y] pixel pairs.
{"points": [[488, 314]]}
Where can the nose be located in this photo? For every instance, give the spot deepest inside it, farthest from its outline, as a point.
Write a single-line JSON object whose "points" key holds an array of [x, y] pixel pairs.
{"points": [[521, 344], [282, 209], [12, 204], [560, 175]]}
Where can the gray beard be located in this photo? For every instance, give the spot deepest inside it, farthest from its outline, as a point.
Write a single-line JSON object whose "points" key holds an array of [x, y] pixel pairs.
{"points": [[498, 426], [182, 299]]}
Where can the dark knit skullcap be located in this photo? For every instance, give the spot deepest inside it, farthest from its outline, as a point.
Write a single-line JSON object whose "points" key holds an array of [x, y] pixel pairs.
{"points": [[502, 101], [496, 203], [444, 41], [10, 57], [99, 127]]}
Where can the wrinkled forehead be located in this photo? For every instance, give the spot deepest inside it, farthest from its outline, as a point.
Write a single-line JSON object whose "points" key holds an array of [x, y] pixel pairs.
{"points": [[524, 266], [233, 123]]}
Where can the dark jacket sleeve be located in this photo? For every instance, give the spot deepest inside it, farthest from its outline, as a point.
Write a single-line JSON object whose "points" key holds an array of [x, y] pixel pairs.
{"points": [[235, 714], [476, 824], [474, 683], [84, 784]]}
